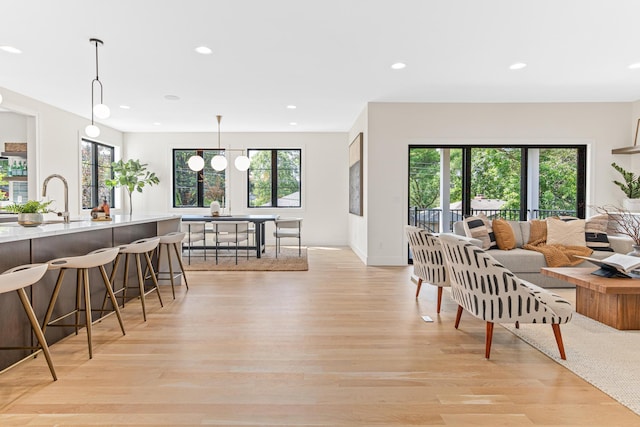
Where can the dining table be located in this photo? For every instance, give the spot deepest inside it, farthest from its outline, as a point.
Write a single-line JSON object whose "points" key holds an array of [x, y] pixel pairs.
{"points": [[258, 220]]}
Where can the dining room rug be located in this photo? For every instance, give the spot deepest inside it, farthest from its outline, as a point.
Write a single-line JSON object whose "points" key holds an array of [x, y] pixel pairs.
{"points": [[603, 356], [287, 260]]}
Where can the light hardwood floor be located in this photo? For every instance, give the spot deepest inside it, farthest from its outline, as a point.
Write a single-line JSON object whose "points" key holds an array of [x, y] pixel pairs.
{"points": [[342, 344]]}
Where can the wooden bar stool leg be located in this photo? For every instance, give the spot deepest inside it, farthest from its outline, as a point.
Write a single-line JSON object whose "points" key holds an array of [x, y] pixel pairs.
{"points": [[141, 286], [112, 296], [184, 275], [87, 308], [78, 299], [36, 330], [52, 302], [154, 278]]}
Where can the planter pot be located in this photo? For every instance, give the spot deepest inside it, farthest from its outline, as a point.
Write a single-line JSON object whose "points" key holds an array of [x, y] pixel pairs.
{"points": [[30, 219], [632, 205]]}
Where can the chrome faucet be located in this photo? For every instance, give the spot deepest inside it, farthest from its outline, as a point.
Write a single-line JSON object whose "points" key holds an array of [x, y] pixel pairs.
{"points": [[65, 214]]}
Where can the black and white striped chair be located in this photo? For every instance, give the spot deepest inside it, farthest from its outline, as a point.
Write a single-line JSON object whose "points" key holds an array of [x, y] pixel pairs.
{"points": [[429, 264], [490, 292]]}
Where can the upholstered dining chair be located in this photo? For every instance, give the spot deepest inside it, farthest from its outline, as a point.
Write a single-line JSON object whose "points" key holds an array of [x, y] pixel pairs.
{"points": [[288, 228], [195, 231], [489, 291], [235, 232], [429, 264]]}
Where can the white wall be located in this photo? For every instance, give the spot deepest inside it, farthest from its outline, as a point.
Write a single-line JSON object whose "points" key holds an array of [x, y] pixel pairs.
{"points": [[324, 177], [13, 128], [358, 224], [56, 145], [392, 127]]}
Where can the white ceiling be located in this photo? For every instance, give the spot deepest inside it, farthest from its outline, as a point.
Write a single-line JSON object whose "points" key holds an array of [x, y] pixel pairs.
{"points": [[329, 58]]}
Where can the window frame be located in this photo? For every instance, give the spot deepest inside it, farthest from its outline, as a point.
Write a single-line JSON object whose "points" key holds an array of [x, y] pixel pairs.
{"points": [[200, 181], [274, 182], [95, 185]]}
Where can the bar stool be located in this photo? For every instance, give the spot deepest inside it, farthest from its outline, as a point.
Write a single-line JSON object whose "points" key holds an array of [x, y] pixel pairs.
{"points": [[168, 241], [98, 258], [16, 279], [137, 248]]}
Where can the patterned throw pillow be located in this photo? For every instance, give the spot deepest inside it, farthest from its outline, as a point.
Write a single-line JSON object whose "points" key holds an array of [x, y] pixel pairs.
{"points": [[479, 227], [505, 237]]}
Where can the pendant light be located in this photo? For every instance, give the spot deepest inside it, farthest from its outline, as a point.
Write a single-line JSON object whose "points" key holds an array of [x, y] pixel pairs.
{"points": [[196, 163], [0, 98], [219, 162], [242, 162], [99, 110]]}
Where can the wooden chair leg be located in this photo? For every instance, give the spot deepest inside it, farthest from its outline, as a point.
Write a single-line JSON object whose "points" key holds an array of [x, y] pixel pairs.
{"points": [[487, 340], [458, 315], [558, 335], [419, 286], [517, 325], [439, 299]]}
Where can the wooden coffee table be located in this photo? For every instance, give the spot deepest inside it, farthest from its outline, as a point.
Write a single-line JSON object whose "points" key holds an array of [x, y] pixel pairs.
{"points": [[612, 301]]}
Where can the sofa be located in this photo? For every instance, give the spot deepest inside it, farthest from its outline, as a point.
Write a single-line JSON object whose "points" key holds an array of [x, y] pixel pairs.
{"points": [[526, 264]]}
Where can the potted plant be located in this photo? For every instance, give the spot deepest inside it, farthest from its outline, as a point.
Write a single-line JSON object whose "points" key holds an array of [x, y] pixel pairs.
{"points": [[30, 213], [630, 187], [131, 175]]}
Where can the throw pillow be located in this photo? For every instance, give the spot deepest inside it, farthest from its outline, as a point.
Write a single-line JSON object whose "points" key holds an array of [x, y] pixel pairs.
{"points": [[537, 231], [479, 227], [567, 233], [595, 233], [505, 237]]}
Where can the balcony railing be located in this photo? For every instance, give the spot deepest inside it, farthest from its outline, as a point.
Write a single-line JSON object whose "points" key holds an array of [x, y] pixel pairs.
{"points": [[429, 219]]}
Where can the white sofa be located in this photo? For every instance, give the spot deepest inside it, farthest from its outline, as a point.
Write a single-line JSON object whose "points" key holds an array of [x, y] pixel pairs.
{"points": [[526, 264]]}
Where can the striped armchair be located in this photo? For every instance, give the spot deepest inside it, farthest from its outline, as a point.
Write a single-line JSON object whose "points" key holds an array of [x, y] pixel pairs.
{"points": [[428, 262], [487, 290]]}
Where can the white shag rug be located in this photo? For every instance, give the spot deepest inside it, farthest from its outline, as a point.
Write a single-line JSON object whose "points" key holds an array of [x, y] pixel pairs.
{"points": [[607, 358]]}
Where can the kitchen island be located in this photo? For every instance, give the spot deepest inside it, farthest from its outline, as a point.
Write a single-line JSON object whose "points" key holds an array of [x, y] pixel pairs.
{"points": [[55, 239]]}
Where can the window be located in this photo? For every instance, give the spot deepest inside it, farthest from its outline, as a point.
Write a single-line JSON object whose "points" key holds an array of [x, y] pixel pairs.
{"points": [[96, 168], [193, 189], [274, 178], [511, 182]]}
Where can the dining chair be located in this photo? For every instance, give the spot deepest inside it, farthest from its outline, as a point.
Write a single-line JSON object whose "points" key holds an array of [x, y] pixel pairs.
{"points": [[288, 228], [195, 232], [228, 232]]}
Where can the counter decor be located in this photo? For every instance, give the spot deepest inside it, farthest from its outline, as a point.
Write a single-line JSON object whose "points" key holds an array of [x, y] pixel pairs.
{"points": [[30, 213]]}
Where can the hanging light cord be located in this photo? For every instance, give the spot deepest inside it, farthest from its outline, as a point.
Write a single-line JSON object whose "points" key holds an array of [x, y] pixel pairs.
{"points": [[219, 119], [97, 79]]}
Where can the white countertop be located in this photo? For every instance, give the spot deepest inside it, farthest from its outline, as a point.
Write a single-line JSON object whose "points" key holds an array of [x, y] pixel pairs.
{"points": [[12, 231]]}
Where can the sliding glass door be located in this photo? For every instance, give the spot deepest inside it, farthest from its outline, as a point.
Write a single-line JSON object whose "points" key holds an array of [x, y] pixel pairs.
{"points": [[512, 182]]}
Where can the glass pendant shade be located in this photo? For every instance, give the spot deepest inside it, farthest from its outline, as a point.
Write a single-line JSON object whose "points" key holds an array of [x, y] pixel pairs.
{"points": [[101, 111], [0, 98], [219, 162], [92, 131], [196, 163], [242, 163]]}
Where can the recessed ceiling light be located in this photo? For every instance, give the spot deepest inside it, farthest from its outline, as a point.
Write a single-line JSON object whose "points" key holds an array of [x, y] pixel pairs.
{"points": [[291, 107], [203, 50], [517, 66], [398, 66], [10, 49], [157, 123], [125, 107], [171, 97], [293, 124], [634, 66]]}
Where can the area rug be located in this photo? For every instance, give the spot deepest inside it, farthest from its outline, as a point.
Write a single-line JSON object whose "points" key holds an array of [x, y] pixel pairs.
{"points": [[607, 358], [287, 260]]}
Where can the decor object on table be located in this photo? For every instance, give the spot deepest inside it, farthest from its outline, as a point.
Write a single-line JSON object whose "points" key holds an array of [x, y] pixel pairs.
{"points": [[355, 176], [624, 222], [132, 175], [30, 213], [215, 208], [490, 292], [630, 187], [99, 110]]}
